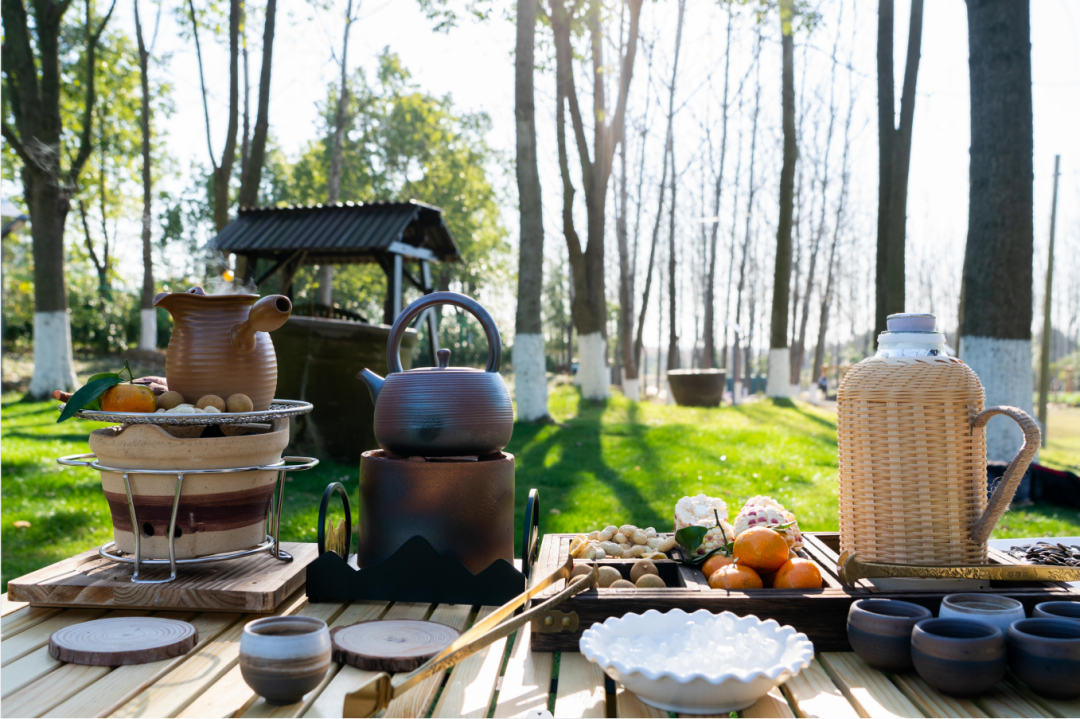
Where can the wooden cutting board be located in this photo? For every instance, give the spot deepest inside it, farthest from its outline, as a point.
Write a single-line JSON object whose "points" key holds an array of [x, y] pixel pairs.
{"points": [[254, 584]]}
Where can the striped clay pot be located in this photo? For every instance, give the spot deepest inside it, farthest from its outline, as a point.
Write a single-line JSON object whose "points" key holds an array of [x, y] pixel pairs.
{"points": [[217, 512]]}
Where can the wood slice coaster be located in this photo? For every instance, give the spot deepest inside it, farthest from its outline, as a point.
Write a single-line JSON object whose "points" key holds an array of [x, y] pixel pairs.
{"points": [[391, 645], [123, 640]]}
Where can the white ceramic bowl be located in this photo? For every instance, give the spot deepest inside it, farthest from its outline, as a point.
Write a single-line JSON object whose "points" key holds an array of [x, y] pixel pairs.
{"points": [[696, 692]]}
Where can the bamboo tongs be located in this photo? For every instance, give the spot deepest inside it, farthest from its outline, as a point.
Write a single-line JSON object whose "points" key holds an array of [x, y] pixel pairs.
{"points": [[377, 693]]}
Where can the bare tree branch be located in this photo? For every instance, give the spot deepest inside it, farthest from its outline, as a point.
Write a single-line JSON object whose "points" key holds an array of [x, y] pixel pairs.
{"points": [[86, 144], [202, 81]]}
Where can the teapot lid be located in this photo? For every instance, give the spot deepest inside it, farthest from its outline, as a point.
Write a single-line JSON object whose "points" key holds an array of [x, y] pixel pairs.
{"points": [[444, 365]]}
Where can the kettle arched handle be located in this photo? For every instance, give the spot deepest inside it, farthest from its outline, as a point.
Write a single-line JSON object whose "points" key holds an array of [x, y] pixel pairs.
{"points": [[1010, 481], [393, 349]]}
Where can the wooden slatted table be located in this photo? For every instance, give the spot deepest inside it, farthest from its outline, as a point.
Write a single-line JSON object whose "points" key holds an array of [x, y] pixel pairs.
{"points": [[505, 680]]}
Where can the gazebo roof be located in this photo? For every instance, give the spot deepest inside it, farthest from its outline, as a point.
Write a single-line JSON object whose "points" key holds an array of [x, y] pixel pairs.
{"points": [[339, 234]]}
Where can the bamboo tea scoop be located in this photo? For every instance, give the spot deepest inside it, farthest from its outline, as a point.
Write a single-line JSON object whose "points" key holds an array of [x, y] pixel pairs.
{"points": [[850, 570], [377, 693]]}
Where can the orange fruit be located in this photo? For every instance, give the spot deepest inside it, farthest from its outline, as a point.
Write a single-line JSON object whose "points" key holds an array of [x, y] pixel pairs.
{"points": [[735, 576], [761, 548], [128, 398], [715, 562], [798, 573]]}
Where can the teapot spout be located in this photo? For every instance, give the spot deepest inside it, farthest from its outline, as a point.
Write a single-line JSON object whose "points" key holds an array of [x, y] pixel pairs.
{"points": [[373, 381], [266, 315]]}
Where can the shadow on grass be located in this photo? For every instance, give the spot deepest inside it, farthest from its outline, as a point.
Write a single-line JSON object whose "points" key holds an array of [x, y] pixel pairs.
{"points": [[579, 450]]}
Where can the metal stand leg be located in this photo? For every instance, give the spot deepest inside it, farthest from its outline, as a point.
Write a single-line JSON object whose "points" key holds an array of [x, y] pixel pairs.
{"points": [[275, 518], [136, 530]]}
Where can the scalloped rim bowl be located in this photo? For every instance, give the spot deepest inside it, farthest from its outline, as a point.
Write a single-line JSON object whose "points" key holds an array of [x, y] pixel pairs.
{"points": [[695, 693]]}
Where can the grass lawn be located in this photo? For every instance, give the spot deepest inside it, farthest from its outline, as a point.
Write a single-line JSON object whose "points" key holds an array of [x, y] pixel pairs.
{"points": [[601, 463]]}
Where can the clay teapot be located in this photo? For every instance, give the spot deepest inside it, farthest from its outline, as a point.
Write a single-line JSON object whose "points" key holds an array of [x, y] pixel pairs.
{"points": [[220, 345], [441, 411]]}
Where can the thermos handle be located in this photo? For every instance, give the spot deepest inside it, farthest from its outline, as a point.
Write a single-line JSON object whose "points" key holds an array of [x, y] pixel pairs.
{"points": [[393, 349], [1006, 487]]}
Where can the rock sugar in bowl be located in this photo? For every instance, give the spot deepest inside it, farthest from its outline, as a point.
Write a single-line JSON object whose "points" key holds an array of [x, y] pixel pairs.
{"points": [[697, 663]]}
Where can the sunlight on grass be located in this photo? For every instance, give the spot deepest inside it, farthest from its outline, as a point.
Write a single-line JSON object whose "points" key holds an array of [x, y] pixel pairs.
{"points": [[601, 463]]}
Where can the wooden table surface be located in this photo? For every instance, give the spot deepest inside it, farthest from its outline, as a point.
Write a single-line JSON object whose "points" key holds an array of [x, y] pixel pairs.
{"points": [[504, 680]]}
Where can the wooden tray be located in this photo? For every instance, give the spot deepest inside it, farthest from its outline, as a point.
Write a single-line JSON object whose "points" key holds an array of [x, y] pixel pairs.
{"points": [[254, 584], [821, 614]]}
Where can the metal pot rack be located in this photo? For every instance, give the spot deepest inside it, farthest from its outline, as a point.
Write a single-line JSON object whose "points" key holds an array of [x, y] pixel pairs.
{"points": [[271, 544], [279, 408]]}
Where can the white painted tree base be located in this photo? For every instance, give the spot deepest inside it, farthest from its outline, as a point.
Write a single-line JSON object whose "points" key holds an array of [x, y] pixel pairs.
{"points": [[148, 329], [1004, 368], [778, 384], [736, 392], [54, 362], [530, 377], [631, 388], [326, 285], [592, 369]]}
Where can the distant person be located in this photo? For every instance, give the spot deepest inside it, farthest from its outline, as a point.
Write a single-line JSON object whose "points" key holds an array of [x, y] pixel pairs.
{"points": [[823, 385]]}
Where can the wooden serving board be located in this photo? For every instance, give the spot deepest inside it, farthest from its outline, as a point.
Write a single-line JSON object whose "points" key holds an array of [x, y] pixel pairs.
{"points": [[821, 614], [254, 584]]}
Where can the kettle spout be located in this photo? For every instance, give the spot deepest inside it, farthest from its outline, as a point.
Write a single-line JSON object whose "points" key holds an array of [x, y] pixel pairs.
{"points": [[373, 381], [266, 315]]}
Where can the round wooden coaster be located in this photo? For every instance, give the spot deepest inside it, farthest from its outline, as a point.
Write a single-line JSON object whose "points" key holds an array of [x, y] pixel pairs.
{"points": [[390, 645], [122, 640]]}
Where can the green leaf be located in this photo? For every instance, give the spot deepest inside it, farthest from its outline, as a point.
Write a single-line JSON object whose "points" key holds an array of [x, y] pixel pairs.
{"points": [[88, 392], [690, 538], [95, 403]]}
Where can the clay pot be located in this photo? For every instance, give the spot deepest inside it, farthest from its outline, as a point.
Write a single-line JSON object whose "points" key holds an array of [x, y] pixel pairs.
{"points": [[220, 344], [217, 512], [1045, 655], [284, 658], [697, 387], [880, 632], [1069, 611], [958, 657]]}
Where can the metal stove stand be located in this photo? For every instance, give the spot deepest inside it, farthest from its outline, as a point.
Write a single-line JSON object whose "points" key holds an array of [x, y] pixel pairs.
{"points": [[272, 544]]}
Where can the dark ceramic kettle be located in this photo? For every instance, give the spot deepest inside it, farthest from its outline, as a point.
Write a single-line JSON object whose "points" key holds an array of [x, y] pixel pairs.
{"points": [[441, 411]]}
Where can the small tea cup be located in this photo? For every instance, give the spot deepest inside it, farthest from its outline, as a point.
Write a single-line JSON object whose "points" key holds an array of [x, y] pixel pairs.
{"points": [[1045, 655], [283, 658], [986, 608], [1069, 611], [879, 631], [959, 657]]}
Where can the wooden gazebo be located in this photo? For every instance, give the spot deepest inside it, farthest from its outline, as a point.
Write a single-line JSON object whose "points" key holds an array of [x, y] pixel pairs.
{"points": [[270, 240]]}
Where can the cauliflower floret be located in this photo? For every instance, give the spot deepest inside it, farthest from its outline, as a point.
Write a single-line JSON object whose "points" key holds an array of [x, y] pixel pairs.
{"points": [[699, 510]]}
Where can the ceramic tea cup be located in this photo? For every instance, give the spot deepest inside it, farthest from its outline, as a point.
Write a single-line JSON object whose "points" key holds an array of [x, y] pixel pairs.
{"points": [[879, 631], [986, 608], [959, 657], [283, 658], [1057, 610], [1045, 655]]}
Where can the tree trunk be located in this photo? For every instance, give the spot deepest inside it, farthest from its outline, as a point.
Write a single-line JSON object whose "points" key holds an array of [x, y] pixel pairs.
{"points": [[708, 357], [222, 171], [997, 280], [587, 265], [252, 175], [886, 134], [895, 269], [33, 94], [673, 359], [333, 179], [779, 359], [894, 151], [147, 313], [736, 352], [530, 371]]}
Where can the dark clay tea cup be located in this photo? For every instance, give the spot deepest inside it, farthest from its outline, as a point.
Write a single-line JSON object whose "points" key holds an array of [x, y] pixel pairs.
{"points": [[959, 657], [879, 631], [1057, 610], [283, 658], [1045, 655]]}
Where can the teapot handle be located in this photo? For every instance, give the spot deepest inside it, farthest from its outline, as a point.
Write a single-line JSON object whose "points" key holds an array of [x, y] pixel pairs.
{"points": [[1006, 487], [393, 349]]}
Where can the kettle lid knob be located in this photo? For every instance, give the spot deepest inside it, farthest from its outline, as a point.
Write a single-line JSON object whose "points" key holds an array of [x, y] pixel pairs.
{"points": [[444, 358]]}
